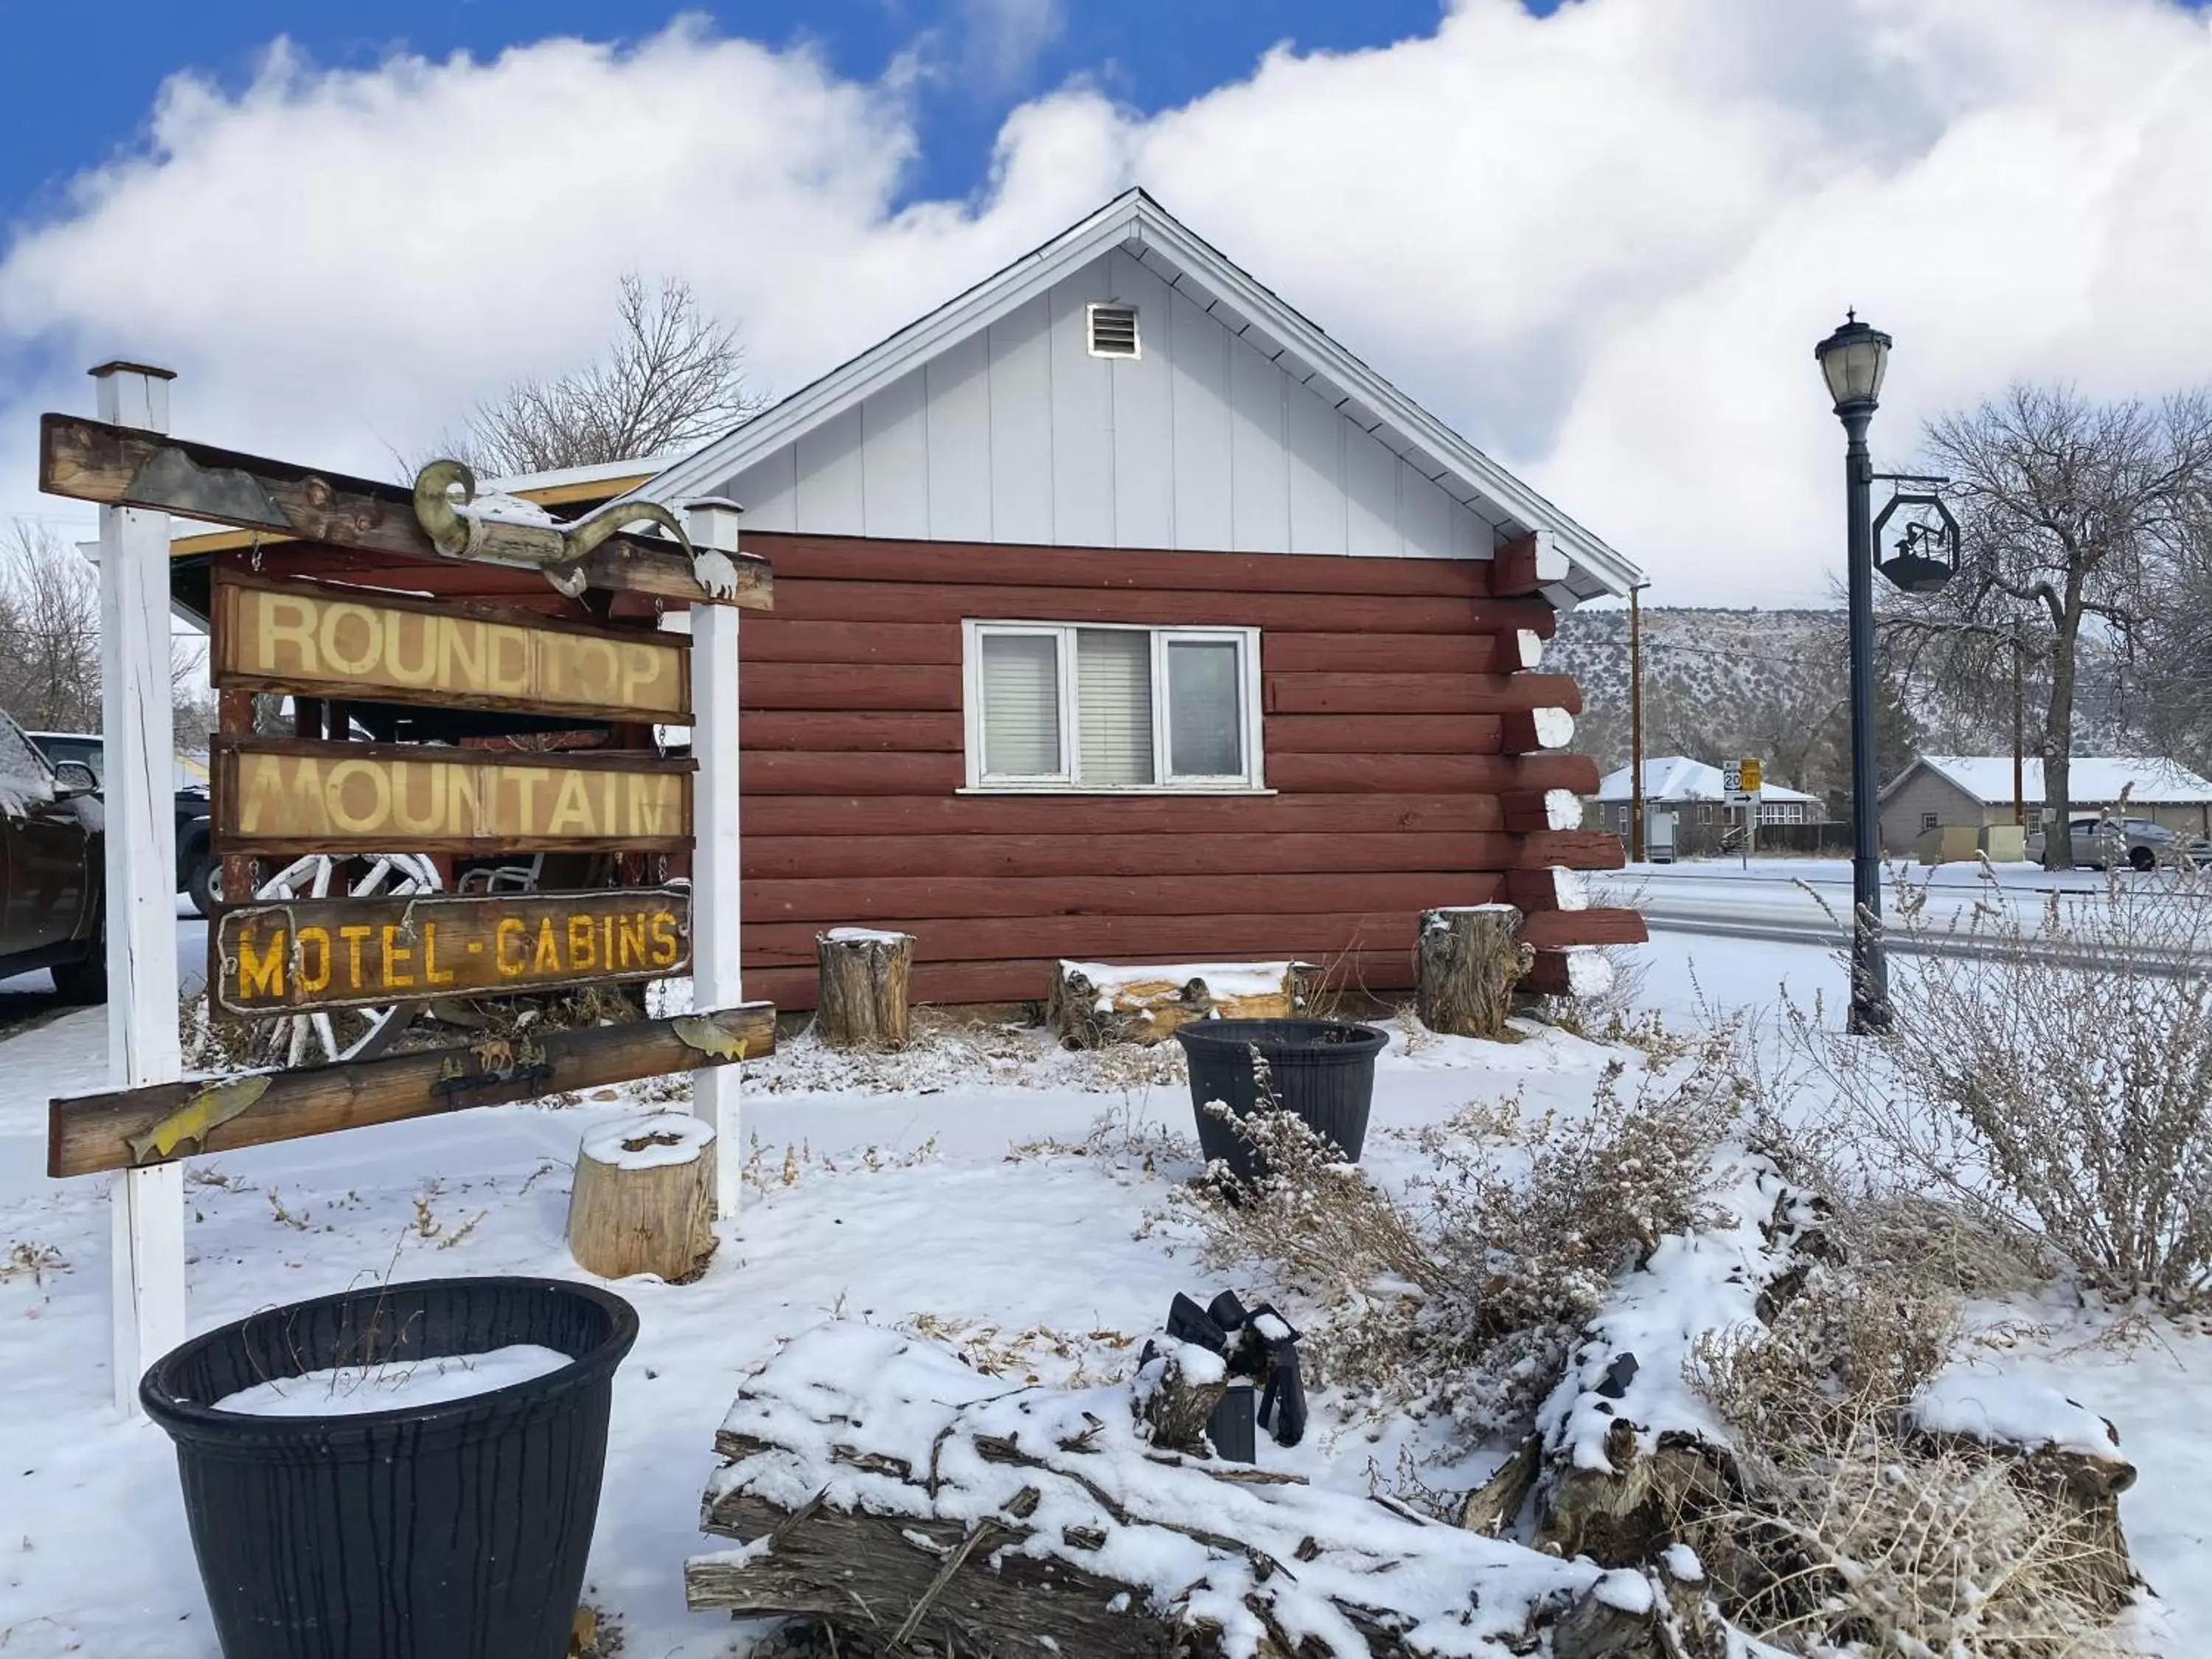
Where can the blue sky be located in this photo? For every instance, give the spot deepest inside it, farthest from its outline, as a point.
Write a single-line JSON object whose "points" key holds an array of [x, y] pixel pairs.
{"points": [[1152, 54]]}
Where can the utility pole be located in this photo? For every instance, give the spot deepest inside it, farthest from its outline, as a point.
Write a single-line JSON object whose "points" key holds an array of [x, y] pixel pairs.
{"points": [[1636, 723]]}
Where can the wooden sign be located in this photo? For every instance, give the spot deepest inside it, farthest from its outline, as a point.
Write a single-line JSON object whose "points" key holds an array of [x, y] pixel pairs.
{"points": [[132, 1129], [318, 639], [128, 466], [276, 795], [306, 954]]}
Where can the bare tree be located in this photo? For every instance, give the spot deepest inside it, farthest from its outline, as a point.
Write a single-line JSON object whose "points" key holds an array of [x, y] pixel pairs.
{"points": [[2074, 515], [49, 631], [672, 377], [49, 642]]}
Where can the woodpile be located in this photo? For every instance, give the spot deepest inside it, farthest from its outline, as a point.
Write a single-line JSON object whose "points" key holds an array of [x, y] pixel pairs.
{"points": [[644, 1198], [914, 1506], [1091, 1004], [1472, 961], [863, 991]]}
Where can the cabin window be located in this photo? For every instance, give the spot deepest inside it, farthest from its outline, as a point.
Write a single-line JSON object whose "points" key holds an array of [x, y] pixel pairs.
{"points": [[1929, 821], [1098, 709]]}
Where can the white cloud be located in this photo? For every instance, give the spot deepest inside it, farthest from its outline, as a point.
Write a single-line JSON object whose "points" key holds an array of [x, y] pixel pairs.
{"points": [[1602, 244]]}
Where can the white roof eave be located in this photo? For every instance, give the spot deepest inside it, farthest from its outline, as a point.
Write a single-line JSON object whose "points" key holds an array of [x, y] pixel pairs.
{"points": [[1136, 219]]}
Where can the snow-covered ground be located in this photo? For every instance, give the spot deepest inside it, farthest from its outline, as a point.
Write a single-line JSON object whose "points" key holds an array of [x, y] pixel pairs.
{"points": [[932, 1208]]}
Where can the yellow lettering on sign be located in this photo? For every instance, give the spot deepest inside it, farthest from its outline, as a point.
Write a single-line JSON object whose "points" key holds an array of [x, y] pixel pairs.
{"points": [[353, 937], [511, 928], [633, 942], [665, 947], [320, 978], [549, 949], [572, 807], [430, 973], [400, 626], [583, 943], [266, 974], [283, 619], [358, 796], [396, 956]]}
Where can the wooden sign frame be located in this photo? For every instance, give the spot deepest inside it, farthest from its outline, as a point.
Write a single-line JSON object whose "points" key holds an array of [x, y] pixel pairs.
{"points": [[232, 649], [232, 757], [138, 1129], [278, 957], [133, 466]]}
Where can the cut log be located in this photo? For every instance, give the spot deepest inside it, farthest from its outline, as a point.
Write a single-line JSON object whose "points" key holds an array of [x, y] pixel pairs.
{"points": [[1552, 888], [864, 976], [915, 1506], [1471, 960], [1535, 730], [1572, 970], [643, 1200], [1525, 810], [1528, 564], [1091, 1004]]}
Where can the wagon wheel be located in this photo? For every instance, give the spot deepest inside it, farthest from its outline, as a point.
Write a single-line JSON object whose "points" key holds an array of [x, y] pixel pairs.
{"points": [[339, 1034]]}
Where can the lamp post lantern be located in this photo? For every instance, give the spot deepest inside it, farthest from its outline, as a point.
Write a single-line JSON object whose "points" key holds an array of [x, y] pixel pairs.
{"points": [[1852, 360]]}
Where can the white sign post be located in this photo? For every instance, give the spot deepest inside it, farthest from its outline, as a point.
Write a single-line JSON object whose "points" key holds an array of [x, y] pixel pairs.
{"points": [[140, 764], [716, 964]]}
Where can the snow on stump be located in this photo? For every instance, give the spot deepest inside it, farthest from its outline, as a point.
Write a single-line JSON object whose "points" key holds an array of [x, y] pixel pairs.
{"points": [[1628, 1448], [864, 973], [1471, 958], [2054, 1447], [643, 1199], [912, 1505], [1092, 1003]]}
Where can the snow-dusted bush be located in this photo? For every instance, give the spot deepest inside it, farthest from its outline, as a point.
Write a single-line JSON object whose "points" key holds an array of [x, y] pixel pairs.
{"points": [[1463, 1293], [1849, 1534], [2055, 1074]]}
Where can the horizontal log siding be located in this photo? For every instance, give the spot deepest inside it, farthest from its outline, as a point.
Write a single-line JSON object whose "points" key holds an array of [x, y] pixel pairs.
{"points": [[1385, 686]]}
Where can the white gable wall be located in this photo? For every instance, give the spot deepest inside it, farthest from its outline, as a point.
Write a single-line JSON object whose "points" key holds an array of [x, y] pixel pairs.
{"points": [[1017, 435]]}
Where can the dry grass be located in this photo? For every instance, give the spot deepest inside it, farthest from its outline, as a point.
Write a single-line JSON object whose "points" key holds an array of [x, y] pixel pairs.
{"points": [[1463, 1294], [2051, 1086]]}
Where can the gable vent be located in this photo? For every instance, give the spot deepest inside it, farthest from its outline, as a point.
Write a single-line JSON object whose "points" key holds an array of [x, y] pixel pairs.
{"points": [[1113, 330]]}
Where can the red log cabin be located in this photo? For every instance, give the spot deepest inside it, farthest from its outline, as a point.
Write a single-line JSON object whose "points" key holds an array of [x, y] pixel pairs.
{"points": [[1121, 614]]}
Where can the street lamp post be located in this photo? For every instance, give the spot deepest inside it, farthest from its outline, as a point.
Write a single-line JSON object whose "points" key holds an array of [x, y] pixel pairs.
{"points": [[1852, 360]]}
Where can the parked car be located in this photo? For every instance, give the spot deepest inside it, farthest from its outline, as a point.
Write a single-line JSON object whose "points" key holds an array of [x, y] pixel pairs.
{"points": [[2137, 842], [198, 868], [54, 859]]}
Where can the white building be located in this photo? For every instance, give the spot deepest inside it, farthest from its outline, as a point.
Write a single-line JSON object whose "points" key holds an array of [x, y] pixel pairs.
{"points": [[1696, 794]]}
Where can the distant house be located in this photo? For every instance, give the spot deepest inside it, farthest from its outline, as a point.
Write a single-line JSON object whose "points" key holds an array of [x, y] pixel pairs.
{"points": [[1976, 789], [1696, 793]]}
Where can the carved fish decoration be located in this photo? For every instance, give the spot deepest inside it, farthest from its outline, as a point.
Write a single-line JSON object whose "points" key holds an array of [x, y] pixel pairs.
{"points": [[506, 529], [700, 1032], [196, 1117]]}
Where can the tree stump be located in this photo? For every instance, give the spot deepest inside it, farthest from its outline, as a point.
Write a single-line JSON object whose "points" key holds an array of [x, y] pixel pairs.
{"points": [[1092, 1003], [863, 987], [1471, 959], [644, 1198]]}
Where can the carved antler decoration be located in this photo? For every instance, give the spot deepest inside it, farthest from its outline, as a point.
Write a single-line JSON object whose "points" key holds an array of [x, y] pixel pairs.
{"points": [[507, 530]]}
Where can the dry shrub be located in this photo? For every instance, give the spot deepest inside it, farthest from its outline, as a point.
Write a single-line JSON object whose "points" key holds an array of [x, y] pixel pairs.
{"points": [[2048, 1075], [1847, 1535], [1463, 1294]]}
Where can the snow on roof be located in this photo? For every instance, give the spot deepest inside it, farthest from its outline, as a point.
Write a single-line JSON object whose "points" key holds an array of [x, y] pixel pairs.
{"points": [[1197, 270], [2093, 779], [1677, 777]]}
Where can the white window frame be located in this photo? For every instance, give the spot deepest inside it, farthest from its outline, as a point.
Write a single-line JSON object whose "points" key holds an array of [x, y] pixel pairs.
{"points": [[1252, 782]]}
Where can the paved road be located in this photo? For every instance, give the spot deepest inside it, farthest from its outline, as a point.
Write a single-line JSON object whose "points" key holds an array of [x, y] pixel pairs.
{"points": [[1809, 902]]}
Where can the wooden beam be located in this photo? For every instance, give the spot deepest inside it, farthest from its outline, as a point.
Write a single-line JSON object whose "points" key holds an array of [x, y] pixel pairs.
{"points": [[131, 466], [1528, 565], [147, 1208], [315, 638], [279, 794], [1570, 970], [308, 954], [1526, 809], [135, 1128], [1536, 730]]}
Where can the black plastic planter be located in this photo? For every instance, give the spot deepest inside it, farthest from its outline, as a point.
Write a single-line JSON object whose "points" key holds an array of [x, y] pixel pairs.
{"points": [[1322, 1069], [456, 1530]]}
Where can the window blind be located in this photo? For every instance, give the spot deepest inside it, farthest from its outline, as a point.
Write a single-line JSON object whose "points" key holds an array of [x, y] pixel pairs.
{"points": [[1205, 730], [1114, 704], [1021, 705]]}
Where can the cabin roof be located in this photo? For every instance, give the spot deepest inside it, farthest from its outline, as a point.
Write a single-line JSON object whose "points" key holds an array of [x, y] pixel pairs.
{"points": [[1137, 223]]}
